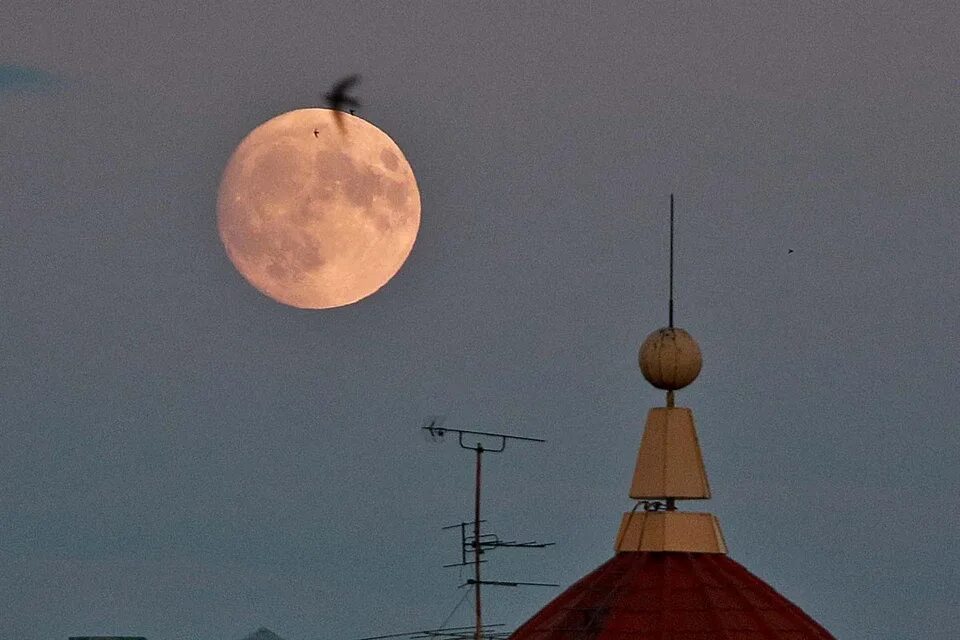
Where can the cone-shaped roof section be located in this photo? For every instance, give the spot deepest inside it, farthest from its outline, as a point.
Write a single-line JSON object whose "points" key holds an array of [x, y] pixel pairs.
{"points": [[670, 578], [671, 596]]}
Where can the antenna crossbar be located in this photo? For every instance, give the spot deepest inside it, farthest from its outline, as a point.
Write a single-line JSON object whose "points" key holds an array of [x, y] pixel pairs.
{"points": [[458, 525], [506, 583], [437, 431], [523, 545], [444, 632], [508, 436]]}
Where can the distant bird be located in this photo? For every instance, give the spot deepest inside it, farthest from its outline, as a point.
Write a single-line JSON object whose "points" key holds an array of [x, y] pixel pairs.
{"points": [[337, 97], [789, 250]]}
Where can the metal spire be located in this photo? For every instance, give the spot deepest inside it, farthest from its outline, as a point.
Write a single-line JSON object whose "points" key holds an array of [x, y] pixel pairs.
{"points": [[671, 263]]}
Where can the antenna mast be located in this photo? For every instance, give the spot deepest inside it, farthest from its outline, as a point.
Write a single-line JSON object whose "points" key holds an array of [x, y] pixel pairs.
{"points": [[479, 542]]}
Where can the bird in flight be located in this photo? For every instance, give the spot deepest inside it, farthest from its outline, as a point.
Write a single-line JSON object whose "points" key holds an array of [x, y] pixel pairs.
{"points": [[337, 97]]}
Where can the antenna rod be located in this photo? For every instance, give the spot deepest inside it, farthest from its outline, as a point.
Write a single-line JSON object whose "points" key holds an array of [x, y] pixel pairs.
{"points": [[671, 261]]}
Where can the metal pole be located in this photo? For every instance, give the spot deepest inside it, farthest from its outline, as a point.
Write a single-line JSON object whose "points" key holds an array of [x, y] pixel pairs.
{"points": [[478, 634], [671, 261]]}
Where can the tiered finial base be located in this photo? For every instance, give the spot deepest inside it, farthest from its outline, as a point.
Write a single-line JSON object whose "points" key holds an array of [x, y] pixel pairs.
{"points": [[670, 531]]}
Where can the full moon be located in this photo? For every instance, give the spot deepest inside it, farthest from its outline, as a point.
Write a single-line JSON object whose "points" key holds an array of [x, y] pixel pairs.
{"points": [[318, 208]]}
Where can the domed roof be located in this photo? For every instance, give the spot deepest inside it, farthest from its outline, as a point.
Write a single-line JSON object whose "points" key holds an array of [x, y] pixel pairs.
{"points": [[670, 596]]}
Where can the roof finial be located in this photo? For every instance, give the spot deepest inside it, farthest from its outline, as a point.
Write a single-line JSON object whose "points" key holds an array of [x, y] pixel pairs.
{"points": [[669, 464]]}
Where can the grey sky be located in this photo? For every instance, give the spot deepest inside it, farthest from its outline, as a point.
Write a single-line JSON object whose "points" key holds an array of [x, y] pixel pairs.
{"points": [[181, 457]]}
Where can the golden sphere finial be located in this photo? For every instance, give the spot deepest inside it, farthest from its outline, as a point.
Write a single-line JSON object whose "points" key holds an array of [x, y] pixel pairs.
{"points": [[670, 358]]}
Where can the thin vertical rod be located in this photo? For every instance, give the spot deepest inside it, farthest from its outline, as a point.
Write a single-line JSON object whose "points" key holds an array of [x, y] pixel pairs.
{"points": [[478, 634], [671, 261]]}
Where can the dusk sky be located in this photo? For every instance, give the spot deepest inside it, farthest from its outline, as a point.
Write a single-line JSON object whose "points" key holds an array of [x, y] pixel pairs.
{"points": [[181, 457]]}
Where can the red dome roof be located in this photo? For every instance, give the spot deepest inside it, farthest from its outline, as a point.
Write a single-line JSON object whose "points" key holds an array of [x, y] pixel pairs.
{"points": [[670, 596]]}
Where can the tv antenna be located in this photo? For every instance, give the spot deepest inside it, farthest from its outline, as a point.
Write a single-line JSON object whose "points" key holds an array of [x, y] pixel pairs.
{"points": [[477, 542]]}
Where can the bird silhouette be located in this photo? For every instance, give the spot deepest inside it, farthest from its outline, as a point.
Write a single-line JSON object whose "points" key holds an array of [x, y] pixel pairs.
{"points": [[337, 97]]}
